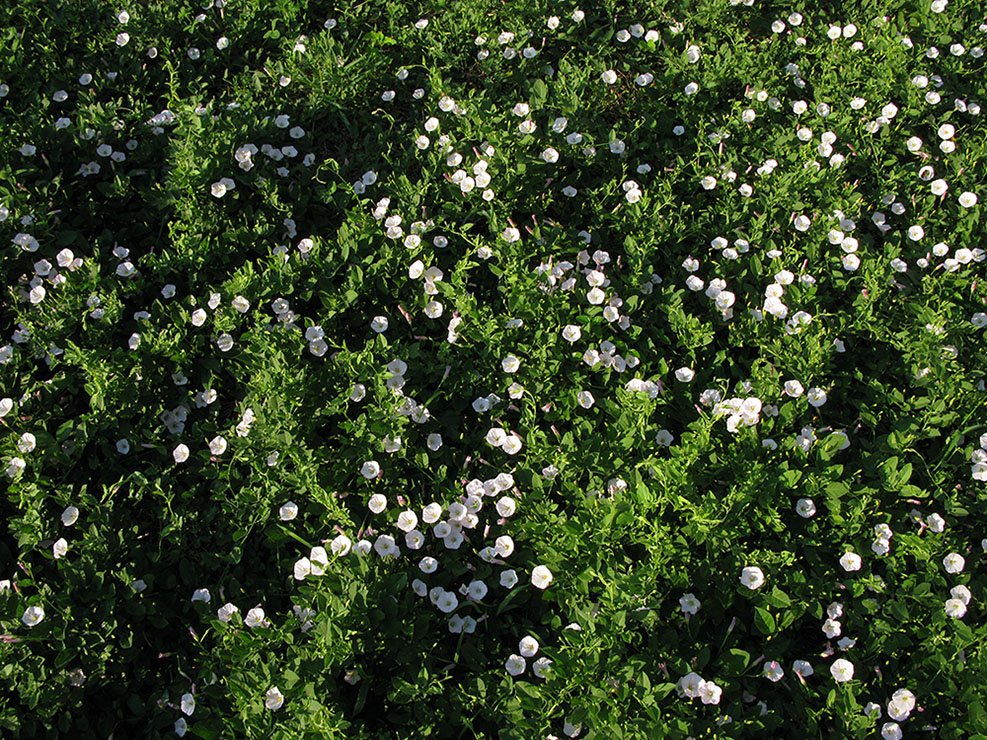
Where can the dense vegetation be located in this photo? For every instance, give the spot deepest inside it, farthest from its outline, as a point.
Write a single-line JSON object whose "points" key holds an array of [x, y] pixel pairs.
{"points": [[513, 370]]}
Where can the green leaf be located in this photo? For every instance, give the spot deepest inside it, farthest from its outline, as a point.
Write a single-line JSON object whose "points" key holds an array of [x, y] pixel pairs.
{"points": [[763, 620], [778, 598], [735, 662], [539, 94]]}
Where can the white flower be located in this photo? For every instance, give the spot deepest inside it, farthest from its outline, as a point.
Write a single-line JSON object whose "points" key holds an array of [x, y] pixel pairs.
{"points": [[508, 578], [33, 615], [960, 592], [26, 443], [571, 332], [201, 594], [188, 704], [506, 506], [585, 399], [512, 444], [515, 665], [217, 445], [832, 628], [752, 577], [690, 684], [59, 549], [842, 670], [341, 545], [802, 668], [69, 516], [225, 612], [773, 671], [510, 364], [968, 199], [504, 546], [955, 608], [953, 563], [273, 698], [892, 730], [180, 453], [816, 397], [528, 647], [684, 374], [447, 602], [850, 561], [385, 546], [288, 511], [476, 590], [370, 469], [609, 77], [255, 618], [709, 692], [901, 705], [541, 577], [407, 520], [377, 503], [689, 604]]}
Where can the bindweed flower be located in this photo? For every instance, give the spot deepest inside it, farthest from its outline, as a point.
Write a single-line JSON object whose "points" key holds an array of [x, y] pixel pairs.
{"points": [[33, 616], [891, 731], [69, 516], [528, 647], [773, 671], [689, 604], [255, 617], [273, 698], [955, 608], [541, 577], [842, 670], [447, 602], [953, 563], [802, 668], [508, 578], [187, 704], [709, 692], [515, 665], [752, 577], [850, 561]]}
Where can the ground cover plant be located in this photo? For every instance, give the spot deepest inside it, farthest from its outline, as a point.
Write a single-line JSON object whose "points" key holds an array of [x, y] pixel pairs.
{"points": [[483, 369]]}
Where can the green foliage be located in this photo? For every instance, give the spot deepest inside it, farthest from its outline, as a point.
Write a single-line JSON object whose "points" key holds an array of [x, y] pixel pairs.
{"points": [[206, 378]]}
